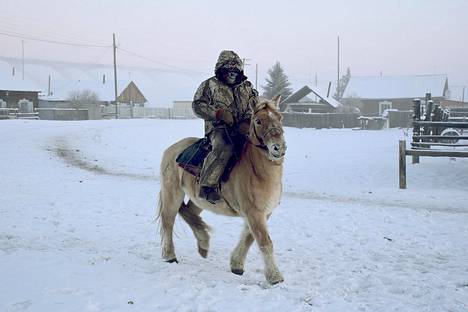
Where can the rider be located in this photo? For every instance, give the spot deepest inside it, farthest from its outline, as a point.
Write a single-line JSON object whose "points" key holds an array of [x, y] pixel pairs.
{"points": [[225, 102]]}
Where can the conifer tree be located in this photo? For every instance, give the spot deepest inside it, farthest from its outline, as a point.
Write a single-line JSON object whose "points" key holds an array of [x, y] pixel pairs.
{"points": [[342, 85], [277, 83]]}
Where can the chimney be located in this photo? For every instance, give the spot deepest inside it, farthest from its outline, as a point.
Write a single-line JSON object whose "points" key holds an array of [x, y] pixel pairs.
{"points": [[103, 79], [13, 71]]}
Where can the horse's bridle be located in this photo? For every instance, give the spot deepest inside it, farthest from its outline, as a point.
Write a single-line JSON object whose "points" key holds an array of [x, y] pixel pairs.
{"points": [[262, 144]]}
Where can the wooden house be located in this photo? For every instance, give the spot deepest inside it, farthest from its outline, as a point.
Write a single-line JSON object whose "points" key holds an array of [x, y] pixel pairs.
{"points": [[309, 100], [377, 94]]}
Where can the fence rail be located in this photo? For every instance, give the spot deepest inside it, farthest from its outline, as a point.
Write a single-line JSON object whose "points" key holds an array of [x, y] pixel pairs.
{"points": [[429, 133], [148, 112], [329, 120]]}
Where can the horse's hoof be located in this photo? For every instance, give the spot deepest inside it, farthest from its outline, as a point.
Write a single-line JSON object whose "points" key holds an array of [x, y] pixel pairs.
{"points": [[237, 271], [274, 278], [276, 282], [203, 252], [172, 260]]}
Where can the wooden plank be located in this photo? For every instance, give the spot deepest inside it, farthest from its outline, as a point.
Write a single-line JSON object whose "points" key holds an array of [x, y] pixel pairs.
{"points": [[461, 137], [437, 144], [436, 153], [443, 124], [402, 164]]}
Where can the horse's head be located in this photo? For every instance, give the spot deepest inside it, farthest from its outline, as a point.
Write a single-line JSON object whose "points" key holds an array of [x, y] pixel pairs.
{"points": [[266, 130]]}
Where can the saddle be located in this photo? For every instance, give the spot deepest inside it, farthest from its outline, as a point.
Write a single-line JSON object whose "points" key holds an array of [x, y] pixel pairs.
{"points": [[191, 159]]}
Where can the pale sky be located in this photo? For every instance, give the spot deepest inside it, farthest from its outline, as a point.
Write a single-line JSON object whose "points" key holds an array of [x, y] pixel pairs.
{"points": [[389, 36]]}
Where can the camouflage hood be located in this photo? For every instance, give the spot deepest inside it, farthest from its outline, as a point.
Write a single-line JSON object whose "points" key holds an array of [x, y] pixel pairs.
{"points": [[229, 60]]}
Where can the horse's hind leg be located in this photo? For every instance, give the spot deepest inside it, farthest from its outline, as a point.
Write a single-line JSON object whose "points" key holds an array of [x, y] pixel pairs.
{"points": [[191, 214], [169, 204], [240, 252]]}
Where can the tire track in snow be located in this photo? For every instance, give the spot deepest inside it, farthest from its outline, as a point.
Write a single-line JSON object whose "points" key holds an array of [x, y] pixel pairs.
{"points": [[373, 202], [72, 157]]}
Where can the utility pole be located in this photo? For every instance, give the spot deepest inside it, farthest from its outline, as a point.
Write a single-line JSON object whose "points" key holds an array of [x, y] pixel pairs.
{"points": [[48, 87], [22, 56], [338, 70], [463, 97], [115, 78]]}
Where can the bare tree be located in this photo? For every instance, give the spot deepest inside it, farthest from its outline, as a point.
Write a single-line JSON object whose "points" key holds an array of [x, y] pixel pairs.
{"points": [[351, 104], [85, 96]]}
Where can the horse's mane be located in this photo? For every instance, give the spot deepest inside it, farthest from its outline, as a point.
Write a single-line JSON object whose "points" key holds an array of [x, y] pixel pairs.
{"points": [[265, 104]]}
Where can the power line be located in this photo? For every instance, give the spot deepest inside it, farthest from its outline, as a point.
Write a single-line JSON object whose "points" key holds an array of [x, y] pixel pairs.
{"points": [[18, 35], [158, 62]]}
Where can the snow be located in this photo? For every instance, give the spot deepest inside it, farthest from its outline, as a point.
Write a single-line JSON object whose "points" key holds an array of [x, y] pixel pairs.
{"points": [[78, 230], [395, 87]]}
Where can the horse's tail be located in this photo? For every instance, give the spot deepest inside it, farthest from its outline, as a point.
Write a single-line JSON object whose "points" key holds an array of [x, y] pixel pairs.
{"points": [[159, 228]]}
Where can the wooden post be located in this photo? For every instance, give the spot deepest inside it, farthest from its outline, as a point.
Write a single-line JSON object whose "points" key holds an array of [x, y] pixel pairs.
{"points": [[416, 128], [402, 162]]}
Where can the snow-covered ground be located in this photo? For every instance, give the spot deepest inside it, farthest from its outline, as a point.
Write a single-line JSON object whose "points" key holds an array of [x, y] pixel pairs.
{"points": [[78, 231]]}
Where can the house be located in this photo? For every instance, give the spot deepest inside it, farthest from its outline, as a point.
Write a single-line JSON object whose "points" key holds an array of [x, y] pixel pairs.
{"points": [[159, 85], [131, 94], [374, 95], [458, 97], [300, 101], [14, 88], [128, 92]]}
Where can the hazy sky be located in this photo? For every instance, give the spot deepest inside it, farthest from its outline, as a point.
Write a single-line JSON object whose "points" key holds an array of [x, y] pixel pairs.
{"points": [[393, 37]]}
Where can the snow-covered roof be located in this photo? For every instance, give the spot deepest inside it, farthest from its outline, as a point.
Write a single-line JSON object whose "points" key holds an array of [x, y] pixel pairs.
{"points": [[8, 82], [302, 93], [395, 87], [458, 93], [61, 89], [159, 86]]}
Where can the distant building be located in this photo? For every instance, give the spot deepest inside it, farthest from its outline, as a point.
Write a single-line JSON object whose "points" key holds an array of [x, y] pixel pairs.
{"points": [[12, 97], [131, 94], [458, 97], [14, 88], [128, 92], [158, 85], [302, 101], [377, 94]]}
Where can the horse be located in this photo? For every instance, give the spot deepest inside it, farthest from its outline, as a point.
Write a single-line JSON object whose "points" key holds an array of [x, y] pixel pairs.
{"points": [[252, 192]]}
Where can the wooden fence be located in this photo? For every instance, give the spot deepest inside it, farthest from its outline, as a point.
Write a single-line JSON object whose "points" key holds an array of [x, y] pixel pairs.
{"points": [[431, 131], [303, 120]]}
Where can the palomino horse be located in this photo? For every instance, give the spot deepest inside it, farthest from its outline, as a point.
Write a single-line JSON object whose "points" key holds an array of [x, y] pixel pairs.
{"points": [[252, 192]]}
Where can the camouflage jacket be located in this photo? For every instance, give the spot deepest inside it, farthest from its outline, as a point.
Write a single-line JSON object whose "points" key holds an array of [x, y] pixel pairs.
{"points": [[214, 94]]}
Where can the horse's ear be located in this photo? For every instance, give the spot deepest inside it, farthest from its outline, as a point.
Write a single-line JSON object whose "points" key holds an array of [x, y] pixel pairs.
{"points": [[276, 100]]}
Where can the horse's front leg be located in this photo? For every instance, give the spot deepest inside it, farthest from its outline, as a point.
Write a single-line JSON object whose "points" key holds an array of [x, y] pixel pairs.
{"points": [[240, 252], [257, 222]]}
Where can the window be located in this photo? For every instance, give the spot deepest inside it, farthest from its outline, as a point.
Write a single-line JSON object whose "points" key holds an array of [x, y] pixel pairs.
{"points": [[384, 105]]}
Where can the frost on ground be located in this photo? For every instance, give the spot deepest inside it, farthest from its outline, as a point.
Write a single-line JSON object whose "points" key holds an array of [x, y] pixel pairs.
{"points": [[78, 231]]}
